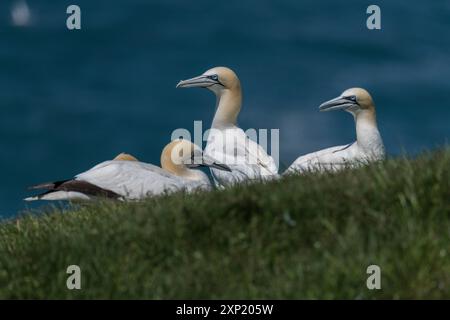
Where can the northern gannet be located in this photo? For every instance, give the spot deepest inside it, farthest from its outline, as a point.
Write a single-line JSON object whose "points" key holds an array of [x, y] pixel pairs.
{"points": [[368, 146], [134, 180], [228, 143]]}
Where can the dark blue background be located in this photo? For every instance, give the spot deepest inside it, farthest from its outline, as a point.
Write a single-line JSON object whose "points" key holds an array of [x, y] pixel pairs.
{"points": [[70, 99]]}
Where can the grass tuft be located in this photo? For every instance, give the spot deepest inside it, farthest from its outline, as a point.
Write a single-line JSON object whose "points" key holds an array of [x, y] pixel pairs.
{"points": [[310, 236]]}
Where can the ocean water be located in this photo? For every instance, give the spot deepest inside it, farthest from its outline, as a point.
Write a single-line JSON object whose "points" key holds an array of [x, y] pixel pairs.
{"points": [[70, 99]]}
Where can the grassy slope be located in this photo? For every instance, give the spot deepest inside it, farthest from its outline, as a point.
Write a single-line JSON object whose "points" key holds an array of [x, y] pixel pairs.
{"points": [[302, 237]]}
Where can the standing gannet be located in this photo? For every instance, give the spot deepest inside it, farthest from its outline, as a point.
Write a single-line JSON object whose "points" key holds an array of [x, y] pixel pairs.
{"points": [[228, 143], [368, 146], [133, 180]]}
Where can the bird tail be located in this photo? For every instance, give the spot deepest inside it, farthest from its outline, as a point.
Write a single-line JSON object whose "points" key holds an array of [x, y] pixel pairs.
{"points": [[31, 198], [57, 195], [70, 189], [48, 185]]}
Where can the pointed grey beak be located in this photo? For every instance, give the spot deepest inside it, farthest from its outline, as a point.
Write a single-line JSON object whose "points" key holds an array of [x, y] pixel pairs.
{"points": [[338, 103], [200, 81], [208, 162], [219, 166]]}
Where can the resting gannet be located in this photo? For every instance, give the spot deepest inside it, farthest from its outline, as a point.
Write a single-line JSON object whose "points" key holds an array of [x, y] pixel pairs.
{"points": [[134, 180], [227, 143], [368, 146]]}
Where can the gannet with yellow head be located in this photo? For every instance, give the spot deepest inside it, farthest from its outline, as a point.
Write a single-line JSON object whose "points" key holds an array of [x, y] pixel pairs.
{"points": [[134, 180], [227, 143], [125, 157], [368, 146]]}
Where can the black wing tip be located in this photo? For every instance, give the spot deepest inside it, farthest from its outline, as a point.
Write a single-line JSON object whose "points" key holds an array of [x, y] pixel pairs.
{"points": [[42, 186], [80, 186], [48, 185]]}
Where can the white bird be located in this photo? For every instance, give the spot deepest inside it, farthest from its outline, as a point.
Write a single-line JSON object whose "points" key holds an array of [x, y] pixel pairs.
{"points": [[368, 146], [129, 179], [227, 143]]}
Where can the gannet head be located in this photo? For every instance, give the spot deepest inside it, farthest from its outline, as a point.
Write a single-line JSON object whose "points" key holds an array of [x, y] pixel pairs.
{"points": [[216, 79], [352, 100], [125, 157], [180, 156]]}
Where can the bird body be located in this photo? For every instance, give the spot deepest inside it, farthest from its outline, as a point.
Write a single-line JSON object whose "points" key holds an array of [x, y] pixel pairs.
{"points": [[227, 143], [246, 159], [368, 146], [134, 180]]}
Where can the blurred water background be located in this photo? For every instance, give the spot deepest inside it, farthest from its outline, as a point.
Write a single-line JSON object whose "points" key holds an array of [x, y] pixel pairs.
{"points": [[70, 99]]}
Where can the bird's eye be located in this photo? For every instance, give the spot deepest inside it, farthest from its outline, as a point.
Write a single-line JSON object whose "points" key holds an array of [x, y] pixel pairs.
{"points": [[353, 98], [213, 77]]}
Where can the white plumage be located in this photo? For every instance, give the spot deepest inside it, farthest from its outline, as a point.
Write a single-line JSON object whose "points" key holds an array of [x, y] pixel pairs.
{"points": [[132, 180], [136, 180], [368, 146], [227, 143], [246, 159]]}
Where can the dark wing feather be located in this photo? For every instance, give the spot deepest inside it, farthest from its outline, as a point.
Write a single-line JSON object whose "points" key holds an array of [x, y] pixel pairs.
{"points": [[48, 185], [83, 187]]}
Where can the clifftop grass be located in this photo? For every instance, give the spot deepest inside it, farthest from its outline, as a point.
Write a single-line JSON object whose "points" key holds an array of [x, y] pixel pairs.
{"points": [[309, 236]]}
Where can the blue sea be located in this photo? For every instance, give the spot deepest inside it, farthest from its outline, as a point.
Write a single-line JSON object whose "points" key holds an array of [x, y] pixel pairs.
{"points": [[71, 99]]}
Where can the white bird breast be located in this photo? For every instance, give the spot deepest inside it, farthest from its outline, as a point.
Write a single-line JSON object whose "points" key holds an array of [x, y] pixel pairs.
{"points": [[246, 158], [134, 180]]}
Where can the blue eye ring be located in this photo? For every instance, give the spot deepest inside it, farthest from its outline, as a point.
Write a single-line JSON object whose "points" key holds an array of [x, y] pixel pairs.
{"points": [[213, 77]]}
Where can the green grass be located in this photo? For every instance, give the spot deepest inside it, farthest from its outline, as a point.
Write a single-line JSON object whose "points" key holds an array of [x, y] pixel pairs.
{"points": [[309, 236]]}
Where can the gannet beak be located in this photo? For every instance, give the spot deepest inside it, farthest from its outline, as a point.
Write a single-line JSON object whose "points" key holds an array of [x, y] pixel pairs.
{"points": [[338, 103], [219, 166], [202, 81], [215, 165], [209, 162]]}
